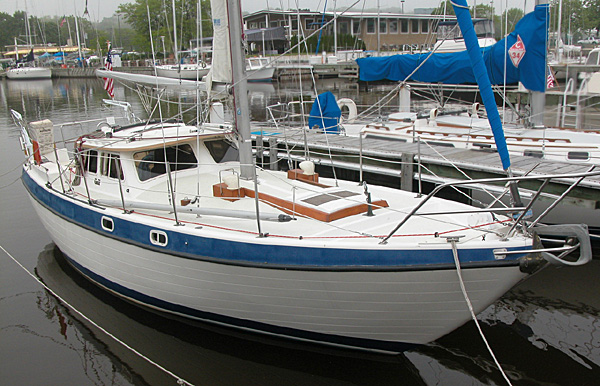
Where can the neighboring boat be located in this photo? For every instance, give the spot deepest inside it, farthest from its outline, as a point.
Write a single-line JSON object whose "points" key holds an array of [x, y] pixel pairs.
{"points": [[188, 71], [259, 69], [26, 72], [450, 39], [164, 214], [468, 131]]}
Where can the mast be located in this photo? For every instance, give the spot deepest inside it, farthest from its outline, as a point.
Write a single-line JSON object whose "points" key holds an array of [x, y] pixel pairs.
{"points": [[175, 35], [239, 89], [78, 41]]}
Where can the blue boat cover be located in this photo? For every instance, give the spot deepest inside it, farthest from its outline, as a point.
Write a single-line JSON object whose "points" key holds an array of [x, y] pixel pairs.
{"points": [[526, 59], [325, 113]]}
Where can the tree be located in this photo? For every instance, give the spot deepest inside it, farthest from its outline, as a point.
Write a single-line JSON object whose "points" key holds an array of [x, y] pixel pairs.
{"points": [[592, 14], [447, 6], [161, 22], [511, 17]]}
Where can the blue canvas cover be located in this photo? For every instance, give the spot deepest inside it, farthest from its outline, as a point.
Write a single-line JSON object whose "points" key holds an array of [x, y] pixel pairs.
{"points": [[455, 67], [325, 113]]}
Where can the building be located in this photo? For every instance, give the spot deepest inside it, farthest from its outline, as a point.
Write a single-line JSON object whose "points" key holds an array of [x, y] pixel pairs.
{"points": [[396, 31]]}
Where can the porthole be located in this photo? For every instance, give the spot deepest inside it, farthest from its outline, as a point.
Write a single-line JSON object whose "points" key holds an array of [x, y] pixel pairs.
{"points": [[107, 224], [158, 238], [578, 155], [534, 153]]}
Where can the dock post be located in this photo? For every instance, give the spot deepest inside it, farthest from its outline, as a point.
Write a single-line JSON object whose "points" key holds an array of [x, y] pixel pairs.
{"points": [[273, 163], [406, 170]]}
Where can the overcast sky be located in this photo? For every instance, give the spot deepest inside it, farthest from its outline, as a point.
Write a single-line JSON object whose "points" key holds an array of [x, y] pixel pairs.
{"points": [[99, 9]]}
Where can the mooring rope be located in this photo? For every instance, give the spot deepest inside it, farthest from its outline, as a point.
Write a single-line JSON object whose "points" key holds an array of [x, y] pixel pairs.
{"points": [[180, 381], [452, 240]]}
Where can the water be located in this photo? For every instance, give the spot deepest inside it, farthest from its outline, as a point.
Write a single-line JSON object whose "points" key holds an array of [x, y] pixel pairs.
{"points": [[545, 331]]}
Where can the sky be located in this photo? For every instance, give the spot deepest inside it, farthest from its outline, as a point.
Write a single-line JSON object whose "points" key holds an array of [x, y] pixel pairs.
{"points": [[99, 9]]}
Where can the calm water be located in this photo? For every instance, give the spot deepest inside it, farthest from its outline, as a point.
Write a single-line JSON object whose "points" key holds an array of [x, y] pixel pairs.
{"points": [[546, 331]]}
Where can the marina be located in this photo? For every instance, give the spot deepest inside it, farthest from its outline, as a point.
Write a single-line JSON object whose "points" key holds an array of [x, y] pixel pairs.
{"points": [[423, 364], [179, 228]]}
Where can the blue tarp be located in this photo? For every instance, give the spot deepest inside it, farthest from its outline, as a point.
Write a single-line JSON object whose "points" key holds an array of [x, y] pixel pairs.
{"points": [[325, 113], [455, 68]]}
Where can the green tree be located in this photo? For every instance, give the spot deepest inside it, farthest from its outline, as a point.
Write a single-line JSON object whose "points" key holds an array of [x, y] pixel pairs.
{"points": [[447, 6], [572, 20], [161, 22], [592, 14], [510, 18]]}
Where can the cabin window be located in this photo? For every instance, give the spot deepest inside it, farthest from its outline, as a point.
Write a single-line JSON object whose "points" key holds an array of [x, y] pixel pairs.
{"points": [[273, 24], [91, 161], [414, 26], [222, 151], [107, 224], [578, 155], [534, 153], [370, 26], [253, 25], [111, 165], [424, 26], [151, 163], [309, 24], [404, 26], [393, 25], [158, 238]]}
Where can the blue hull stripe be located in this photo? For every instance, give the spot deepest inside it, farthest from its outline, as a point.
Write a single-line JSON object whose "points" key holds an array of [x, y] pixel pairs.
{"points": [[265, 256]]}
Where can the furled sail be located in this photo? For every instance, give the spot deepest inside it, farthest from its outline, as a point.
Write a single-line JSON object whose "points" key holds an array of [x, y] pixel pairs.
{"points": [[524, 51]]}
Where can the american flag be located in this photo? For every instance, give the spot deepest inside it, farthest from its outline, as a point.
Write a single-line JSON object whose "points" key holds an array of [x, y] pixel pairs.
{"points": [[108, 82], [550, 81]]}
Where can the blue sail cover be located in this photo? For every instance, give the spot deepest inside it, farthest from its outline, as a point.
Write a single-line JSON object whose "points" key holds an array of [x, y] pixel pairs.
{"points": [[455, 67], [461, 9], [325, 113]]}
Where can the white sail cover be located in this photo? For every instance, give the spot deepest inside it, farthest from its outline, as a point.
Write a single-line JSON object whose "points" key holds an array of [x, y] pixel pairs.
{"points": [[221, 61]]}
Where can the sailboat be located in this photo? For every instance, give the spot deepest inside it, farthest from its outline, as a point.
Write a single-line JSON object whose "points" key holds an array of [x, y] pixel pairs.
{"points": [[178, 218], [524, 52], [25, 67]]}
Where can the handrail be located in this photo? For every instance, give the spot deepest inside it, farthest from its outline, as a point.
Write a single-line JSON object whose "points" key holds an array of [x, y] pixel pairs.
{"points": [[438, 188]]}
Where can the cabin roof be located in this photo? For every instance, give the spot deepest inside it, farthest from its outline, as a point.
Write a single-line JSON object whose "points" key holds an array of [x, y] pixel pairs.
{"points": [[140, 138]]}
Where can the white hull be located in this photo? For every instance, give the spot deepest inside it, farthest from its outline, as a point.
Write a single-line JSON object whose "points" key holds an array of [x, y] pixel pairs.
{"points": [[29, 73], [261, 74], [393, 307], [185, 71]]}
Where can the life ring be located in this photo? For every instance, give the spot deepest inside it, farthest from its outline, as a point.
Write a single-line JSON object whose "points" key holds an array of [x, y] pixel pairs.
{"points": [[352, 111]]}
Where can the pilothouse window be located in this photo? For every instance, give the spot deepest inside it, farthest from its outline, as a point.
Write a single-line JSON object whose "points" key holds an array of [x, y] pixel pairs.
{"points": [[91, 161], [111, 165], [222, 151], [152, 163]]}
